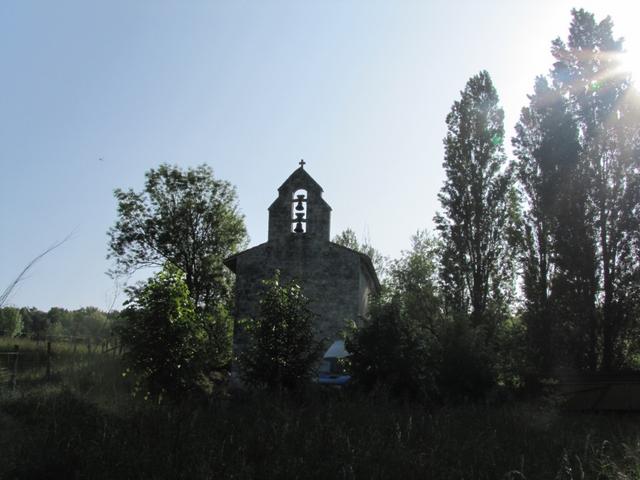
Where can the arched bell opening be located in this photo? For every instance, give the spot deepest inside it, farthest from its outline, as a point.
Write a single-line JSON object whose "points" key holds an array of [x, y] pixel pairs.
{"points": [[299, 211]]}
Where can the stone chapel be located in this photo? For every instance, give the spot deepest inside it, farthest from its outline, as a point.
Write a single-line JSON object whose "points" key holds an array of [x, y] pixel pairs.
{"points": [[336, 279]]}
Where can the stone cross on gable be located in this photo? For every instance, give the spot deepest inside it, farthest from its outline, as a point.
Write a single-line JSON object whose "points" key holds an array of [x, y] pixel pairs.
{"points": [[302, 162]]}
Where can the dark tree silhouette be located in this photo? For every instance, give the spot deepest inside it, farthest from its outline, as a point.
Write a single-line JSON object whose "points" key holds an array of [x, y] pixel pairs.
{"points": [[478, 208], [588, 71], [558, 251]]}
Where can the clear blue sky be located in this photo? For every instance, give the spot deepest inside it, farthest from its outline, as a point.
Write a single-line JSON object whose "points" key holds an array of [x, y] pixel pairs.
{"points": [[359, 89]]}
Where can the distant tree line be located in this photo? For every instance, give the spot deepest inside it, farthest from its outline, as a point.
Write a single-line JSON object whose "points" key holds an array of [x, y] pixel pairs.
{"points": [[84, 323]]}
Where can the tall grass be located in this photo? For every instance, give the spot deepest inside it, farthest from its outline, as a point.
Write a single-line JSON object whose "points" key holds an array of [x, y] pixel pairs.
{"points": [[87, 426], [91, 374]]}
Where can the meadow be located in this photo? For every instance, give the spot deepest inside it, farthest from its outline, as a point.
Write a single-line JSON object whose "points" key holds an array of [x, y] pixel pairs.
{"points": [[83, 422]]}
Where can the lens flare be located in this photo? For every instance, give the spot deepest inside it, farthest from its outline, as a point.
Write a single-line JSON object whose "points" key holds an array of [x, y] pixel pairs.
{"points": [[631, 63]]}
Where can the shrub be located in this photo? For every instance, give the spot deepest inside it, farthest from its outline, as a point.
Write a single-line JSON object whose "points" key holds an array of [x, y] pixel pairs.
{"points": [[418, 359], [468, 363], [170, 346], [395, 352], [281, 350]]}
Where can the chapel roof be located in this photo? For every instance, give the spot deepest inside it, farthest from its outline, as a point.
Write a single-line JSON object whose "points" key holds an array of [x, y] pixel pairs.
{"points": [[301, 177]]}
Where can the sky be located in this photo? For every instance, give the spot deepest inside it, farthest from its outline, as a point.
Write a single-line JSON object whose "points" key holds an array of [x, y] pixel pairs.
{"points": [[95, 93]]}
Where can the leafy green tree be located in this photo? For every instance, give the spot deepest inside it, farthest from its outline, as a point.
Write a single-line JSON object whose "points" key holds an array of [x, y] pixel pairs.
{"points": [[10, 322], [398, 347], [59, 320], [411, 347], [167, 342], [91, 322], [281, 349], [479, 209], [186, 217], [36, 323], [599, 94], [348, 239], [413, 280], [85, 323]]}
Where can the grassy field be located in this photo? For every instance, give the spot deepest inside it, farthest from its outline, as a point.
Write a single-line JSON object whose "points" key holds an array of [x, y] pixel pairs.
{"points": [[94, 375], [83, 423]]}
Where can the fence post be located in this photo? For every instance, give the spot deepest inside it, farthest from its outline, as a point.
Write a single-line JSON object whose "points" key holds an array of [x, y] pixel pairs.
{"points": [[48, 360], [14, 374]]}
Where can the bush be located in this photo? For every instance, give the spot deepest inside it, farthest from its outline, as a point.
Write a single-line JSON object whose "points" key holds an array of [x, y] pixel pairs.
{"points": [[281, 350], [169, 346], [395, 352], [419, 359], [467, 368]]}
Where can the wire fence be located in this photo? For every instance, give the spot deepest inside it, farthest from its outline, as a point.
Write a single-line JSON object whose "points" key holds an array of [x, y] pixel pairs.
{"points": [[9, 371], [24, 361]]}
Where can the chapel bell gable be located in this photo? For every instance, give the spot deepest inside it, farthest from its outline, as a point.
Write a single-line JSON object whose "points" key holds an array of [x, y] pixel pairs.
{"points": [[299, 210], [337, 280]]}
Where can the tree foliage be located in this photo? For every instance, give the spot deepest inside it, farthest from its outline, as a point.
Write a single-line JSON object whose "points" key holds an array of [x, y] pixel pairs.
{"points": [[11, 324], [397, 349], [36, 323], [413, 278], [281, 349], [86, 322], [588, 73], [186, 217], [410, 347], [171, 347], [558, 265], [578, 165], [395, 352], [468, 367], [347, 238], [478, 208]]}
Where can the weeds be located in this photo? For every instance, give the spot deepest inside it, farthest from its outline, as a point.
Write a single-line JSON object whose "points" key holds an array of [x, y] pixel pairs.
{"points": [[85, 424]]}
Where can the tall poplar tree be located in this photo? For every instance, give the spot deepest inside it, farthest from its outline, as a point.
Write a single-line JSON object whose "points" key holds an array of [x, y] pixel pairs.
{"points": [[558, 266], [477, 208], [590, 74]]}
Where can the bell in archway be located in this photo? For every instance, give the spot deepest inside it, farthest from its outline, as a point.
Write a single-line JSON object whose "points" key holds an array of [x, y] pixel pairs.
{"points": [[299, 206], [299, 228]]}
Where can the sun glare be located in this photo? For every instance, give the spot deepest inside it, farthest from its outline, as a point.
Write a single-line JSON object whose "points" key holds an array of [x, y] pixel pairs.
{"points": [[631, 63]]}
